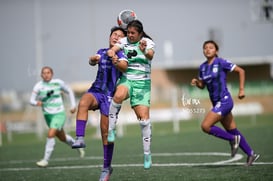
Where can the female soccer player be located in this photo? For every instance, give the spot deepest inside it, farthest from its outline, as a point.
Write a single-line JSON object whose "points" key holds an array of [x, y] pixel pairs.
{"points": [[212, 74], [135, 83], [99, 96], [47, 93]]}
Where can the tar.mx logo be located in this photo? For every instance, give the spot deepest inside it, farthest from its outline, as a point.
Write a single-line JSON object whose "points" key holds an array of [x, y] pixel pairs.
{"points": [[190, 105], [190, 101]]}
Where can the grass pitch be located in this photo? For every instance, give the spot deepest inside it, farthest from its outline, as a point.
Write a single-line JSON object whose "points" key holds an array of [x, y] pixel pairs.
{"points": [[187, 155]]}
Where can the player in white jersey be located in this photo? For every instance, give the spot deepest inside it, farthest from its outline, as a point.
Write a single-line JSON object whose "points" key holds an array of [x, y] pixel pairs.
{"points": [[135, 83], [47, 93]]}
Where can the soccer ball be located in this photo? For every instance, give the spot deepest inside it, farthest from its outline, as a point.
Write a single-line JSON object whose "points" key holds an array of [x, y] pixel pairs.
{"points": [[125, 17]]}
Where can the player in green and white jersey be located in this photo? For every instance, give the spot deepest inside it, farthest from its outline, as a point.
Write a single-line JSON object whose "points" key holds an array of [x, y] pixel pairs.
{"points": [[47, 93], [135, 83]]}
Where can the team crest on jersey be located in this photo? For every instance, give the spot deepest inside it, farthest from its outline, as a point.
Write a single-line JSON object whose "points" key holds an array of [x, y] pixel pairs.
{"points": [[215, 69]]}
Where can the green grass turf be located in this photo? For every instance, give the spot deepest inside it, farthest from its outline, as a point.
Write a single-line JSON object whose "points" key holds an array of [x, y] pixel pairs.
{"points": [[17, 159]]}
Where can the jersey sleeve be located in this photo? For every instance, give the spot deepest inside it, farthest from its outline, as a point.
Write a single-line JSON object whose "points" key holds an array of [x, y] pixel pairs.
{"points": [[69, 91], [121, 56], [34, 95], [150, 44], [200, 75], [100, 52], [121, 43], [227, 65]]}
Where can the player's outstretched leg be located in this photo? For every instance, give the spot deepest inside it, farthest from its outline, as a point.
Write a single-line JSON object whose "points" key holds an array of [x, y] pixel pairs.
{"points": [[251, 156], [146, 131], [113, 116], [234, 139]]}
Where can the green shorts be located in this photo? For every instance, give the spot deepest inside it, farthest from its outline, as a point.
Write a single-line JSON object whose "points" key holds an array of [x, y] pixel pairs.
{"points": [[139, 91], [55, 121]]}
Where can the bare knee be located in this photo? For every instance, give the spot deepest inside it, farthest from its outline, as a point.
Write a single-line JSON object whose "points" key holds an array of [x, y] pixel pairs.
{"points": [[119, 97], [120, 94], [205, 127], [83, 105], [87, 101], [51, 133], [211, 119]]}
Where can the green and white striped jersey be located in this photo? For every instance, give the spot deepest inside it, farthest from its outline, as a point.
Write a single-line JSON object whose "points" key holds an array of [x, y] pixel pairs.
{"points": [[50, 93], [139, 67]]}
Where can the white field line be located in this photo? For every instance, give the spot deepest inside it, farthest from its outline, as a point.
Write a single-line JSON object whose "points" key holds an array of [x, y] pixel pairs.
{"points": [[224, 162]]}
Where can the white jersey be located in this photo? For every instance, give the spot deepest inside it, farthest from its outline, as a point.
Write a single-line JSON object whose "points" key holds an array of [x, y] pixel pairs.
{"points": [[139, 67], [50, 93]]}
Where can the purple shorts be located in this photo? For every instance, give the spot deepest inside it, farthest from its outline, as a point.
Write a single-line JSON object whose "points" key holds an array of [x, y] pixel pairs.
{"points": [[103, 102], [224, 106]]}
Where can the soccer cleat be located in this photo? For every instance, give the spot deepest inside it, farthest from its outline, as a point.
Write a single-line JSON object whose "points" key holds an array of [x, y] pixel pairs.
{"points": [[106, 173], [251, 159], [79, 143], [111, 135], [81, 152], [42, 163], [147, 161], [235, 145]]}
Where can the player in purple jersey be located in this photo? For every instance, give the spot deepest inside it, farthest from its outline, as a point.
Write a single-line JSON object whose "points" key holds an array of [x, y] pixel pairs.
{"points": [[99, 96], [212, 74]]}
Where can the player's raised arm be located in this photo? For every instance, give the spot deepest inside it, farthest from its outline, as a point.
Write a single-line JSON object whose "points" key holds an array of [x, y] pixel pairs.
{"points": [[112, 51], [147, 47], [120, 64]]}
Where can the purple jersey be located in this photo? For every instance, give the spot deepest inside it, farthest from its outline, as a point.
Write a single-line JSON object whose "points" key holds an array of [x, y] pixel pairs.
{"points": [[214, 76], [107, 74]]}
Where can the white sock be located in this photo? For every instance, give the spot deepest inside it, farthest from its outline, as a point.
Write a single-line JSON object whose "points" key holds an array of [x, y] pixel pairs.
{"points": [[113, 114], [49, 147], [146, 130], [69, 140]]}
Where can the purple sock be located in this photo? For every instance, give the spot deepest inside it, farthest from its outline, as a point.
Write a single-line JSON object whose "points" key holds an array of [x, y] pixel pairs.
{"points": [[220, 133], [107, 154], [243, 143], [80, 127]]}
